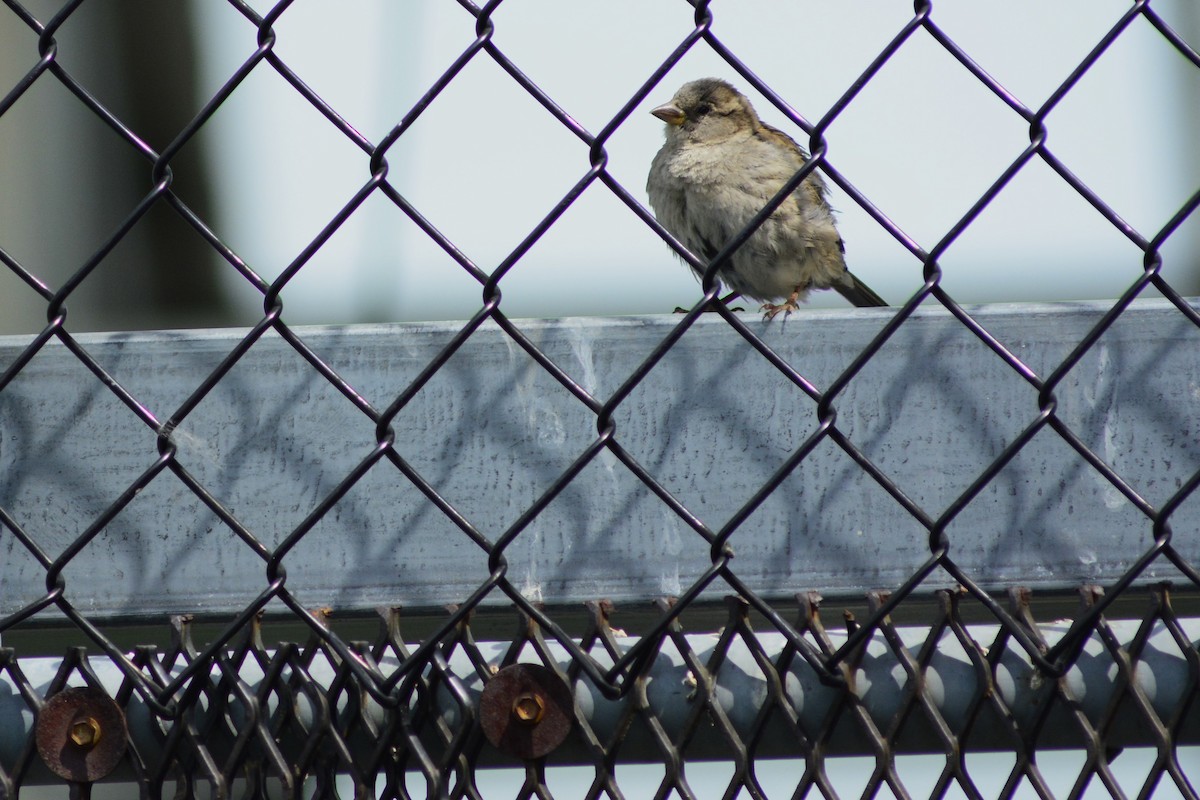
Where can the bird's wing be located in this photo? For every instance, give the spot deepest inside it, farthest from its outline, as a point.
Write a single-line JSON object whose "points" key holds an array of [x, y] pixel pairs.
{"points": [[813, 189], [773, 133]]}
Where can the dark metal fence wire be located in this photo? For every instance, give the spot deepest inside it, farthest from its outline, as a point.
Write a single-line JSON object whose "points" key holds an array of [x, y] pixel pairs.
{"points": [[213, 730]]}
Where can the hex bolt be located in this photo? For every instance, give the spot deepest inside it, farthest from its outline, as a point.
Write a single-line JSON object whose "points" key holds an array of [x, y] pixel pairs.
{"points": [[81, 735], [85, 732], [528, 708]]}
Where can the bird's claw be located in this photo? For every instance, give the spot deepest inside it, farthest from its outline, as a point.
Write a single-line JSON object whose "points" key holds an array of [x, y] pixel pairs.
{"points": [[771, 310]]}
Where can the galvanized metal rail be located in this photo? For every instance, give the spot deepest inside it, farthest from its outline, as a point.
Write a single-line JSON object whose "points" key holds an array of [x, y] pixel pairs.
{"points": [[493, 430]]}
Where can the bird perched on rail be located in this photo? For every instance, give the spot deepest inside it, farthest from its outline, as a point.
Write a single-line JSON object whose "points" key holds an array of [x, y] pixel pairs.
{"points": [[718, 167]]}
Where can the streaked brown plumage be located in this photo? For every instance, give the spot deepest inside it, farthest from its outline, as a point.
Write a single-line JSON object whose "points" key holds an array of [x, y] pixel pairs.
{"points": [[719, 166]]}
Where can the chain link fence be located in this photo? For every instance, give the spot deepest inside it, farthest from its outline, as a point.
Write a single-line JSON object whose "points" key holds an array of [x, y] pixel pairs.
{"points": [[763, 683]]}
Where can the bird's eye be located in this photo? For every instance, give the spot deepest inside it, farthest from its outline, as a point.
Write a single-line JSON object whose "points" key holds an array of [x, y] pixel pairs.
{"points": [[703, 108]]}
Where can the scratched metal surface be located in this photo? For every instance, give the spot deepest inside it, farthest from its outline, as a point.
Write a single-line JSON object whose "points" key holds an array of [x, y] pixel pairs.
{"points": [[492, 431]]}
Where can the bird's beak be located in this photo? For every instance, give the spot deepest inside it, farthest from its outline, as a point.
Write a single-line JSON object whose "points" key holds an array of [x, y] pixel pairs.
{"points": [[670, 114]]}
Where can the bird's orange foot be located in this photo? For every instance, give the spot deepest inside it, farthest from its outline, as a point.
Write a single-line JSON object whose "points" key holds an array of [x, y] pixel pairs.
{"points": [[771, 310], [792, 303]]}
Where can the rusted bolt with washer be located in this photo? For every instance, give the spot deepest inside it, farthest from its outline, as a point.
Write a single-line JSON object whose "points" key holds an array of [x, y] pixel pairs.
{"points": [[81, 734], [526, 710]]}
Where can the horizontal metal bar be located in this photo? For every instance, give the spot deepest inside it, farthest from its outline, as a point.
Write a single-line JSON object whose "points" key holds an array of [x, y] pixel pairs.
{"points": [[491, 431], [740, 690]]}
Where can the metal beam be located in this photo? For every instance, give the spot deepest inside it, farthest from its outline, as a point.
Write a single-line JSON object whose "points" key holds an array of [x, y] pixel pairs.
{"points": [[492, 431]]}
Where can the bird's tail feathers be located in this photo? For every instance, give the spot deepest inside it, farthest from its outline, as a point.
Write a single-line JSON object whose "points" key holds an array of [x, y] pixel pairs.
{"points": [[858, 292]]}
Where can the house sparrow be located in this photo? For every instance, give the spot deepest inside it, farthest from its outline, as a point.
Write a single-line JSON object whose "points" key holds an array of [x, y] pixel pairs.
{"points": [[719, 166]]}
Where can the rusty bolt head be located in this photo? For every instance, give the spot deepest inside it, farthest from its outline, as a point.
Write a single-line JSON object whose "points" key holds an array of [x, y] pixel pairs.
{"points": [[528, 708], [85, 732], [81, 734]]}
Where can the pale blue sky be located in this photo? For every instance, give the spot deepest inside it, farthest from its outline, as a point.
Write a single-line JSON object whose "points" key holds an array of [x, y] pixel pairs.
{"points": [[485, 162]]}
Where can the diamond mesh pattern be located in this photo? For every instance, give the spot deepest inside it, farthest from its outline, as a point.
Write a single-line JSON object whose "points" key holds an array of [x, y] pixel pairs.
{"points": [[395, 718]]}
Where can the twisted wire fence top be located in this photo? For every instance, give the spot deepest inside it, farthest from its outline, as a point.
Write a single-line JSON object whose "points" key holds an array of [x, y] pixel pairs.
{"points": [[392, 673]]}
